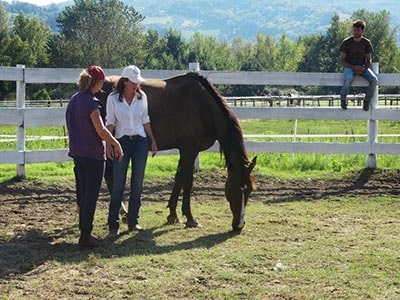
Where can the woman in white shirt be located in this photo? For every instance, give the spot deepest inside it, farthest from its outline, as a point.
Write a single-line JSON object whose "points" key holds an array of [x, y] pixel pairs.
{"points": [[128, 118]]}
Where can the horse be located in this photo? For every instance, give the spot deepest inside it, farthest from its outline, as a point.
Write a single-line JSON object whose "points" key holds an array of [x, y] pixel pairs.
{"points": [[188, 113]]}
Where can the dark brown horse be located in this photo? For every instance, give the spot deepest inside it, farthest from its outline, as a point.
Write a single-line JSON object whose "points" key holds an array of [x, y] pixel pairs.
{"points": [[189, 114]]}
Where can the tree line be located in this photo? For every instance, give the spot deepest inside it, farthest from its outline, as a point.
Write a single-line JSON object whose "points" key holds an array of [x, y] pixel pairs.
{"points": [[111, 34]]}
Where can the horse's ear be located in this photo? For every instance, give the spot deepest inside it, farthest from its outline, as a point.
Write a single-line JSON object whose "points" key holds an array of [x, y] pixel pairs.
{"points": [[252, 164]]}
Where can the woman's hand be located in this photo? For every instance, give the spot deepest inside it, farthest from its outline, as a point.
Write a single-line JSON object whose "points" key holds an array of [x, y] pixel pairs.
{"points": [[154, 148], [109, 151]]}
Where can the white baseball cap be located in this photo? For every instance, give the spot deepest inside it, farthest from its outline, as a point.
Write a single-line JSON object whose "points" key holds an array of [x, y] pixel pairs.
{"points": [[132, 73]]}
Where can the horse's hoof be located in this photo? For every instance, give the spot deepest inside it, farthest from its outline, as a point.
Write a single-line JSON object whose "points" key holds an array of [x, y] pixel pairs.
{"points": [[172, 220], [237, 229], [193, 224]]}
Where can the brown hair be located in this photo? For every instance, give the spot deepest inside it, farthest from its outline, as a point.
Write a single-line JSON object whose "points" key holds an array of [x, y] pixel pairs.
{"points": [[86, 82], [121, 88], [359, 24]]}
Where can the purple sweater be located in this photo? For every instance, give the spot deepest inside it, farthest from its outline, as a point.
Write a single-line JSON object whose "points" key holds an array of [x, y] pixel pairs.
{"points": [[83, 138]]}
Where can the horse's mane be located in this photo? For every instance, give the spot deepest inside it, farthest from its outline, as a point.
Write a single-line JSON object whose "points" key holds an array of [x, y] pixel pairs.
{"points": [[235, 131]]}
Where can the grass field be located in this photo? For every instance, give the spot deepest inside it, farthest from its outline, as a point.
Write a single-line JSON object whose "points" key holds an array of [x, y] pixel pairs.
{"points": [[317, 227], [301, 241]]}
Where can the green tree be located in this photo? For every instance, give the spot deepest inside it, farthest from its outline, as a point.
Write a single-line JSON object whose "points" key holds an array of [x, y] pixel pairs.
{"points": [[211, 55], [245, 54], [4, 22], [330, 43], [103, 32], [155, 46], [311, 60], [5, 31], [18, 51], [264, 50], [287, 54], [34, 36], [222, 57], [177, 49]]}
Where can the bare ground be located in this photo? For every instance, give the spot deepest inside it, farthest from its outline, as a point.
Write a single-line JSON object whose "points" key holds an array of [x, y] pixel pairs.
{"points": [[29, 208]]}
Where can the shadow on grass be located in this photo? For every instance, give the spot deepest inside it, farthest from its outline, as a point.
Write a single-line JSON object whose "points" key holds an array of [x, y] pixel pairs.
{"points": [[24, 254], [364, 183]]}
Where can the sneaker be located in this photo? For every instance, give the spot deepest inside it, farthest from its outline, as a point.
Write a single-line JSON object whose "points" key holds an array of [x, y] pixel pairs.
{"points": [[137, 227], [366, 105], [343, 104]]}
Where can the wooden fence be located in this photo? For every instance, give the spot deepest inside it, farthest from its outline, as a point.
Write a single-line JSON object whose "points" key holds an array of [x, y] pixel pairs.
{"points": [[23, 117]]}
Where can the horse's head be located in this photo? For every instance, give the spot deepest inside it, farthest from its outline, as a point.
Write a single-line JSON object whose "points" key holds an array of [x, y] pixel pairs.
{"points": [[238, 187]]}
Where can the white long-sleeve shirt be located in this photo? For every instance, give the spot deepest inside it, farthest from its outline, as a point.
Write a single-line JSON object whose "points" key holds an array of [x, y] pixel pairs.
{"points": [[127, 119]]}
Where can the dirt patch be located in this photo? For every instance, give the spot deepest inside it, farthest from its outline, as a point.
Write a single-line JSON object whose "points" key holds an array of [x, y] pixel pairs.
{"points": [[29, 208]]}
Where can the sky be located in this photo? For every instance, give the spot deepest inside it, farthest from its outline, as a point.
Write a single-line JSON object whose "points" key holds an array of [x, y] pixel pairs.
{"points": [[39, 2]]}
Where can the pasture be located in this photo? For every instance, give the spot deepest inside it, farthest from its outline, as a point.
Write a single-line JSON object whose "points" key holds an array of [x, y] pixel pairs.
{"points": [[307, 238], [319, 226]]}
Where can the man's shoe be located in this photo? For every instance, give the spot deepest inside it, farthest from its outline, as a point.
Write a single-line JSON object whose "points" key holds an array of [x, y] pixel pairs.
{"points": [[88, 241], [137, 227], [343, 104], [366, 105]]}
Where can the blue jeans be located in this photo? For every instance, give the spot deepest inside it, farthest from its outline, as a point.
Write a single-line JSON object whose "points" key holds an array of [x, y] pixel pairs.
{"points": [[135, 150], [348, 80], [88, 176]]}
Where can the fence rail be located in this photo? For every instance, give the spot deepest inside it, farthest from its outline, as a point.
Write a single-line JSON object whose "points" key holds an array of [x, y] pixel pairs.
{"points": [[23, 117]]}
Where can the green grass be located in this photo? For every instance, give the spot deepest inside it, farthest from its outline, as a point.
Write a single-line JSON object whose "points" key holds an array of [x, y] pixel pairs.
{"points": [[332, 249], [277, 165]]}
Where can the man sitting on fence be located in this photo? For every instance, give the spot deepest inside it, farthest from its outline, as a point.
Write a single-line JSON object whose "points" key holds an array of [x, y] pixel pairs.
{"points": [[355, 56]]}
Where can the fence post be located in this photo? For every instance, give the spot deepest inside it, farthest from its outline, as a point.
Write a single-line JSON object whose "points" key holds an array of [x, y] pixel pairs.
{"points": [[373, 124], [195, 67], [20, 101]]}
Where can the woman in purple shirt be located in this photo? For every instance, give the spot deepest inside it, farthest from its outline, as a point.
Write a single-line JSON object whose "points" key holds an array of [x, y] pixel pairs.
{"points": [[87, 137]]}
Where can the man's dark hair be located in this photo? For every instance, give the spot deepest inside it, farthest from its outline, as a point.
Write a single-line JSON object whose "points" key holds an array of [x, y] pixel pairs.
{"points": [[359, 24]]}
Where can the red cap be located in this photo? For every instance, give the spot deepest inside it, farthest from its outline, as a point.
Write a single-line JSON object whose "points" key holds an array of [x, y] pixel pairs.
{"points": [[97, 73]]}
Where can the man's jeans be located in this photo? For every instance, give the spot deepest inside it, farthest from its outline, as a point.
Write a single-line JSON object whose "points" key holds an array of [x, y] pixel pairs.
{"points": [[135, 150], [348, 80], [88, 174]]}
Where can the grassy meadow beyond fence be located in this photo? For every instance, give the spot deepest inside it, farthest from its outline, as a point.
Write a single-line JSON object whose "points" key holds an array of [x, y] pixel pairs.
{"points": [[305, 164]]}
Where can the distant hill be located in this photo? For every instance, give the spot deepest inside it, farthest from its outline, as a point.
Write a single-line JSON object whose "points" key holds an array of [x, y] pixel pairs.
{"points": [[227, 19]]}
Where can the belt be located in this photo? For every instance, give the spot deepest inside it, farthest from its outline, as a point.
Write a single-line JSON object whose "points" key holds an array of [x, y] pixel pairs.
{"points": [[131, 137]]}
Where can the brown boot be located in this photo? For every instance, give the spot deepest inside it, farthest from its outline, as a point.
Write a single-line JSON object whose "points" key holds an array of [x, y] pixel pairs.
{"points": [[86, 240]]}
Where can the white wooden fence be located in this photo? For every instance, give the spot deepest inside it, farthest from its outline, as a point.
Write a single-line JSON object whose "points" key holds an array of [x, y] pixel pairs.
{"points": [[23, 117]]}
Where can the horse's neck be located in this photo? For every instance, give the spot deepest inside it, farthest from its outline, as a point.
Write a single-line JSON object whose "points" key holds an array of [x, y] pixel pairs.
{"points": [[232, 145]]}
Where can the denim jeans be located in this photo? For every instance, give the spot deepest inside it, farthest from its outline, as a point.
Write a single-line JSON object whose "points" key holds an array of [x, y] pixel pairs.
{"points": [[88, 176], [348, 80], [135, 151]]}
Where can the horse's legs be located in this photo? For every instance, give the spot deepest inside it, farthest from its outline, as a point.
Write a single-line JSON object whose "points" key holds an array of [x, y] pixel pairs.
{"points": [[187, 167], [173, 199], [183, 180]]}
